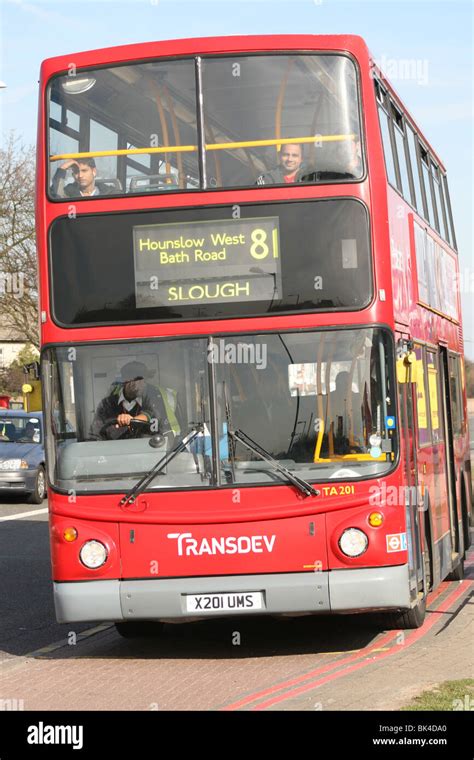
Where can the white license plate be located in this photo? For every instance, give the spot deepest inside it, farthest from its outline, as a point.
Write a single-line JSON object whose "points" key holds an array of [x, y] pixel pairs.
{"points": [[231, 602]]}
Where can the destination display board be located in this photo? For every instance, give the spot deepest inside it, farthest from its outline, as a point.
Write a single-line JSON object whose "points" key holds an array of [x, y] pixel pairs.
{"points": [[214, 261]]}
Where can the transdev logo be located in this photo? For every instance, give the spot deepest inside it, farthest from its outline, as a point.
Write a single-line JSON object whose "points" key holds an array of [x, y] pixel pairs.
{"points": [[188, 545]]}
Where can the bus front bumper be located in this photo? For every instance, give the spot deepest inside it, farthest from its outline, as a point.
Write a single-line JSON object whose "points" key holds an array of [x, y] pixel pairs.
{"points": [[286, 593]]}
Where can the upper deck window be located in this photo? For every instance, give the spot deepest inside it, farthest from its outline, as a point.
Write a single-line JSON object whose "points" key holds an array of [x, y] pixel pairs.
{"points": [[387, 146], [412, 150], [425, 167], [449, 211], [133, 124], [308, 99], [280, 119], [399, 134]]}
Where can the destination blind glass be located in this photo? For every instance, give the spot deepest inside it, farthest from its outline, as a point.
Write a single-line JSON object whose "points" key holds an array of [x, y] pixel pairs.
{"points": [[207, 261], [200, 263]]}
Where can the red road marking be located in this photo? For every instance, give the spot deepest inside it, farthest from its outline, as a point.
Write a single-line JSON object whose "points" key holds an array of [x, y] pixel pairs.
{"points": [[435, 594], [252, 697], [396, 648], [386, 639]]}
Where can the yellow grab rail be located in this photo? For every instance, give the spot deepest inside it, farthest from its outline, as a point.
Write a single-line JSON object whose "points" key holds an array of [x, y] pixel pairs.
{"points": [[352, 458], [211, 146], [319, 441]]}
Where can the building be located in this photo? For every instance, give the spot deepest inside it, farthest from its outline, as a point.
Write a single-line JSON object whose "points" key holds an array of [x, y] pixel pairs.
{"points": [[11, 343]]}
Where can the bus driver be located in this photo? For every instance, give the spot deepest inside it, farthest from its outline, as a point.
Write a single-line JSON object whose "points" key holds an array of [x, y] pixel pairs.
{"points": [[132, 399]]}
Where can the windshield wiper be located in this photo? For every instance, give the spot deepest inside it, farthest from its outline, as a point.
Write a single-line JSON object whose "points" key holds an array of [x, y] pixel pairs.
{"points": [[302, 485], [147, 478]]}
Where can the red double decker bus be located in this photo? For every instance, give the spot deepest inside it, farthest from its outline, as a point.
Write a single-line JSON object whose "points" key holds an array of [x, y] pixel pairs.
{"points": [[252, 353]]}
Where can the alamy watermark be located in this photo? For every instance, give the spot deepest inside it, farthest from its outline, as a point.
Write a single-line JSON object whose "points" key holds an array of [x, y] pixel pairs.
{"points": [[42, 733], [221, 352], [410, 69], [12, 705], [397, 496], [12, 283]]}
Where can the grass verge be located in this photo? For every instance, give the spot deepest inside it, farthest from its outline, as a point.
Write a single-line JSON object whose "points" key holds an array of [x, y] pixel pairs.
{"points": [[449, 695]]}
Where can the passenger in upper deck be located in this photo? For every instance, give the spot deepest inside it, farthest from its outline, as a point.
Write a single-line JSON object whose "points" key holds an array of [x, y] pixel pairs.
{"points": [[289, 168], [84, 172]]}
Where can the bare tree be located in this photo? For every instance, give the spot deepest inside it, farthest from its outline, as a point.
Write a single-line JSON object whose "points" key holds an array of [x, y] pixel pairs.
{"points": [[18, 266]]}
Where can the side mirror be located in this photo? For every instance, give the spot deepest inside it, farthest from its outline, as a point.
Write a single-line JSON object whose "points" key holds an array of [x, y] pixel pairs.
{"points": [[407, 366]]}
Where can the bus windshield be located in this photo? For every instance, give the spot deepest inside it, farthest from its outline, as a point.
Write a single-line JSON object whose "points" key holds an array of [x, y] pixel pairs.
{"points": [[266, 120], [321, 403]]}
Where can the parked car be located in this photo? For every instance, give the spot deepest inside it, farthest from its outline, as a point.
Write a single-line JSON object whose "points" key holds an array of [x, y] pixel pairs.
{"points": [[22, 465]]}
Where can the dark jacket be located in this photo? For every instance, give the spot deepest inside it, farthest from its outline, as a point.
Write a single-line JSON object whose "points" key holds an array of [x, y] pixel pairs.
{"points": [[109, 408], [276, 177], [60, 190], [305, 174]]}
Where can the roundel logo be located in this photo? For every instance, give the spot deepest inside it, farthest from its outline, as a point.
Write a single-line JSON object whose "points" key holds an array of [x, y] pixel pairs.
{"points": [[396, 542]]}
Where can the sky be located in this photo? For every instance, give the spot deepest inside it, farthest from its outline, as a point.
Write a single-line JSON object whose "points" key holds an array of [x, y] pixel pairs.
{"points": [[436, 35]]}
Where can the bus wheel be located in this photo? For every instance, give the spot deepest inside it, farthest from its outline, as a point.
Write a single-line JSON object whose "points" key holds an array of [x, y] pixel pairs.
{"points": [[405, 619], [458, 573], [139, 629]]}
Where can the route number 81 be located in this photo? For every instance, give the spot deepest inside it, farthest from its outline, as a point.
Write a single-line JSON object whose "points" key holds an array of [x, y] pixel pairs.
{"points": [[259, 249]]}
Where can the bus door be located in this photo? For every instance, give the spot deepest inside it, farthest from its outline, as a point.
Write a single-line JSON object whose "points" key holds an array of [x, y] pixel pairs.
{"points": [[406, 390], [447, 412]]}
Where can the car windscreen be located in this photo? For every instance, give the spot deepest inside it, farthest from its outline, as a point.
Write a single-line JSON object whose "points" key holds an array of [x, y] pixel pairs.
{"points": [[20, 429]]}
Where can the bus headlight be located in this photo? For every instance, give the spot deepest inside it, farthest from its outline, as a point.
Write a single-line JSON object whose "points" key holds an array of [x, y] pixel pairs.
{"points": [[353, 542], [93, 554]]}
